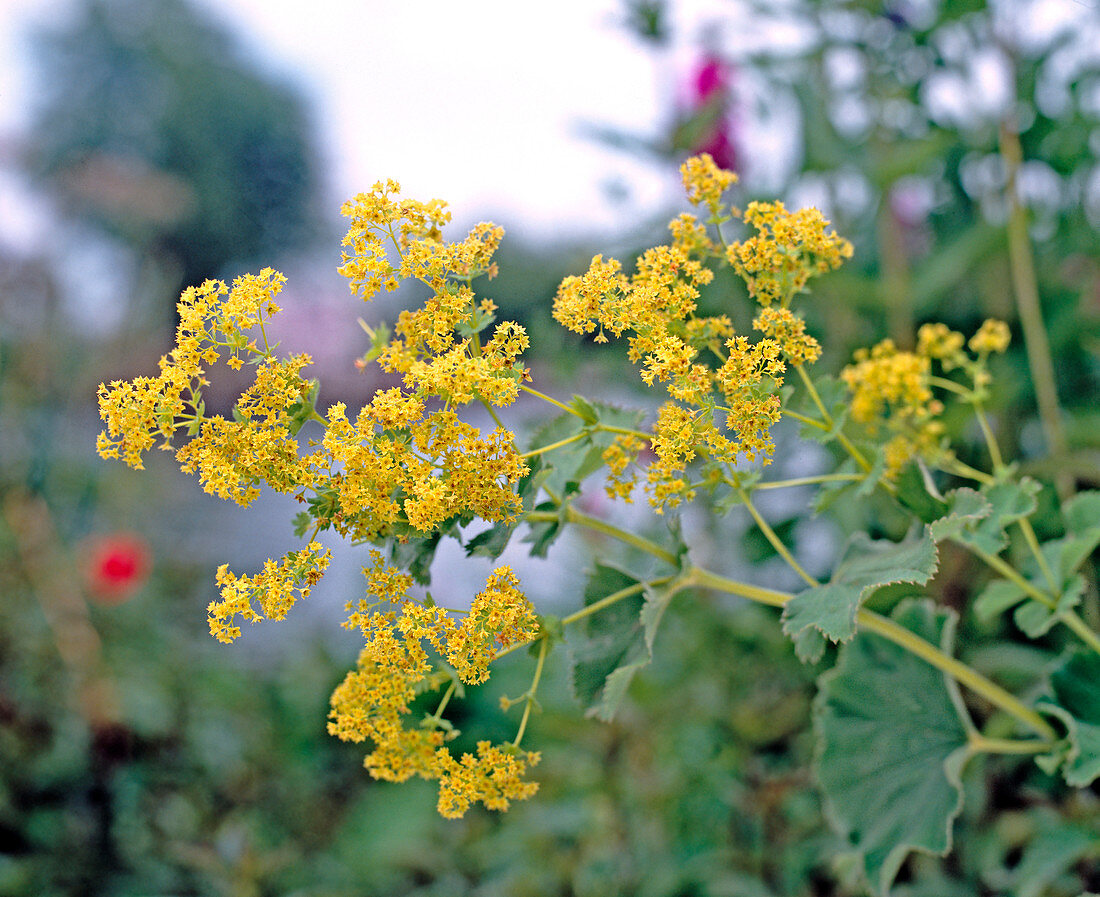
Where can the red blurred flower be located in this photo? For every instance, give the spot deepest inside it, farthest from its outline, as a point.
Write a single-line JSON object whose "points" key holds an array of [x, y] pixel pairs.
{"points": [[116, 566]]}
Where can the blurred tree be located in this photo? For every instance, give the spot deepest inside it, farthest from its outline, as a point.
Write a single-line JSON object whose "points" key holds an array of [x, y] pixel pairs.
{"points": [[152, 126]]}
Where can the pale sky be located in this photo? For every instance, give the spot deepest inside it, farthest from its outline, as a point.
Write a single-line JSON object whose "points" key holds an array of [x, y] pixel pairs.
{"points": [[476, 102]]}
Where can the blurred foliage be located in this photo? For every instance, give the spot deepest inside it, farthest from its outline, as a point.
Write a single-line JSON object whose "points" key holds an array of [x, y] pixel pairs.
{"points": [[215, 776], [153, 125]]}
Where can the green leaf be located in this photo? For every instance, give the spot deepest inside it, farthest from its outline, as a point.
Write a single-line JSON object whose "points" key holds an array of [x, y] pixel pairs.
{"points": [[1076, 704], [1065, 555], [1052, 852], [585, 409], [1036, 619], [610, 647], [1082, 513], [302, 522], [996, 598], [867, 565], [965, 508], [891, 746], [1010, 501], [916, 491], [656, 603], [415, 555]]}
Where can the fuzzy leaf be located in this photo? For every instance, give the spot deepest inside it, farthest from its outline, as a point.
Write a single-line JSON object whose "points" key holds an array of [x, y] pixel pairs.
{"points": [[868, 564], [891, 746], [1009, 501], [996, 598], [965, 508], [1036, 619], [1076, 703], [917, 493], [611, 645], [1052, 852]]}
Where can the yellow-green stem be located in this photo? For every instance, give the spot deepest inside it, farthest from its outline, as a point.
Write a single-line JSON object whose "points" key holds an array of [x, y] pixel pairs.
{"points": [[979, 744], [531, 691], [1081, 629], [705, 578], [950, 385], [444, 701], [869, 620], [855, 453], [613, 598], [553, 445], [805, 420], [962, 469], [1009, 572], [546, 398], [990, 439], [492, 413], [609, 529], [1036, 552], [1026, 289], [774, 539], [809, 481]]}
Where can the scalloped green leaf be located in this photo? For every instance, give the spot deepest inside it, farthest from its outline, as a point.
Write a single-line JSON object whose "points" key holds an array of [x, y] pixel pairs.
{"points": [[1053, 851], [1076, 704], [1009, 501], [891, 746], [1082, 513], [996, 598], [1036, 619], [868, 564], [965, 508], [610, 647], [918, 493]]}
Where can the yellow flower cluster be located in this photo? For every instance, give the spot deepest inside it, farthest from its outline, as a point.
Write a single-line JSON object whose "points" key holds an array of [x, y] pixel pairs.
{"points": [[231, 456], [788, 249], [423, 468], [271, 590], [698, 357], [892, 386], [394, 667], [992, 336], [378, 220], [705, 182], [438, 348]]}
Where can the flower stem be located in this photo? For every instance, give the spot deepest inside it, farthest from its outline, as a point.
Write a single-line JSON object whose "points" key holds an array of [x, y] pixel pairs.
{"points": [[1026, 288], [546, 398], [979, 744], [773, 538], [530, 696], [809, 481], [553, 445]]}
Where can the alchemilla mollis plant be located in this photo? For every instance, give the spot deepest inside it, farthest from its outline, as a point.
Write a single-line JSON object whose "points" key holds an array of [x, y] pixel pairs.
{"points": [[898, 716]]}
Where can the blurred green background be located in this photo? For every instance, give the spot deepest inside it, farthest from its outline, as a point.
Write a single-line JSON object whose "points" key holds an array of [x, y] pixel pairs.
{"points": [[138, 757]]}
